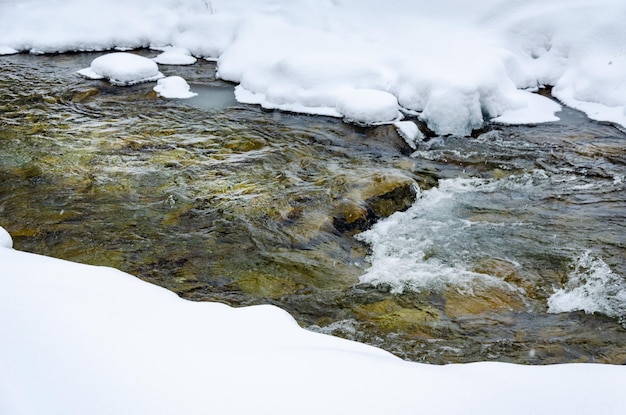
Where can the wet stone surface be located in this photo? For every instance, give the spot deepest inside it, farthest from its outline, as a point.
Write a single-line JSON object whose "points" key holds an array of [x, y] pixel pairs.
{"points": [[219, 201]]}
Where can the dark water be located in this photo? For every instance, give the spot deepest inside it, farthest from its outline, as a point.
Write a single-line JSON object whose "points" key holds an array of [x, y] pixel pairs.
{"points": [[514, 234]]}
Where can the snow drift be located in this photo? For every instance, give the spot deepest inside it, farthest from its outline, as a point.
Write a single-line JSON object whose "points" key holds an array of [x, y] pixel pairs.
{"points": [[79, 339]]}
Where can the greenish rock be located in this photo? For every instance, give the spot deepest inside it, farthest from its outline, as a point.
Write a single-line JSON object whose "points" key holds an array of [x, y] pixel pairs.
{"points": [[391, 316]]}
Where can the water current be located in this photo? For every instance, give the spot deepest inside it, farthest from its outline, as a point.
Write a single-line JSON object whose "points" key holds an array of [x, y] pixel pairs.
{"points": [[509, 245]]}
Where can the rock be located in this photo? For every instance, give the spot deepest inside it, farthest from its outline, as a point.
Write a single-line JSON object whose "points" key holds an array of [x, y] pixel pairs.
{"points": [[261, 284], [391, 316], [482, 300], [373, 198]]}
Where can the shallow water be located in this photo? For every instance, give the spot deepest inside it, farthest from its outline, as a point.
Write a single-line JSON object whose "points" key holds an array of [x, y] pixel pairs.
{"points": [[513, 230]]}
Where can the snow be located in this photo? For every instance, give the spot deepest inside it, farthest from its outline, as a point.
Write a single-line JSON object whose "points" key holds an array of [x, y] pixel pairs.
{"points": [[122, 68], [81, 339], [368, 106], [5, 239], [173, 87], [175, 56], [592, 287], [538, 109], [457, 65], [5, 50], [410, 132]]}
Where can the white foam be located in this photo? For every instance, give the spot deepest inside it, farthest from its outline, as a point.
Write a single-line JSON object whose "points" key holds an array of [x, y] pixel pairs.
{"points": [[591, 287], [422, 248]]}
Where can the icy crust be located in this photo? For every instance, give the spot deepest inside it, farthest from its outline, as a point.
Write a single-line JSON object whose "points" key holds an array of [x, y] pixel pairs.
{"points": [[122, 69], [457, 65], [79, 339]]}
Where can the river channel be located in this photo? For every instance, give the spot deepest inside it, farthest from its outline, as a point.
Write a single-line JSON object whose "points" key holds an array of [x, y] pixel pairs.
{"points": [[509, 245]]}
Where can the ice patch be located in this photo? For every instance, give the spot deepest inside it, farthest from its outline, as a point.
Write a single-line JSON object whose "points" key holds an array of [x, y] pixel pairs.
{"points": [[591, 287], [123, 68], [173, 87]]}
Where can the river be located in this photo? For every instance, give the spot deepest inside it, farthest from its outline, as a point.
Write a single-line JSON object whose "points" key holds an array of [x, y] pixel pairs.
{"points": [[508, 245]]}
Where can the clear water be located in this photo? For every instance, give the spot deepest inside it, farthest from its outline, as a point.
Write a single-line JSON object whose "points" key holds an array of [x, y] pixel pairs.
{"points": [[513, 250]]}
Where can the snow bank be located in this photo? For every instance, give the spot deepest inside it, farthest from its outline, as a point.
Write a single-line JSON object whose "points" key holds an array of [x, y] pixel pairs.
{"points": [[122, 68], [173, 87], [79, 339], [456, 64]]}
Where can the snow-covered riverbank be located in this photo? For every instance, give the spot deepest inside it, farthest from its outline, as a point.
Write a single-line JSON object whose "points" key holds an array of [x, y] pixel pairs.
{"points": [[79, 339], [454, 63]]}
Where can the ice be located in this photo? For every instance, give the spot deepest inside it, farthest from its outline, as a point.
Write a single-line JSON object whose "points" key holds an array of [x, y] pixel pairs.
{"points": [[79, 339], [173, 87], [122, 68], [538, 109]]}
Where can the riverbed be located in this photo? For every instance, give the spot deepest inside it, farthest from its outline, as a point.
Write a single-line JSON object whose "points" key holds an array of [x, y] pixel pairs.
{"points": [[488, 247]]}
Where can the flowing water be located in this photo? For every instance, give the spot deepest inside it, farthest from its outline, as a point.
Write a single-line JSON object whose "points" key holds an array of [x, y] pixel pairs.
{"points": [[509, 245]]}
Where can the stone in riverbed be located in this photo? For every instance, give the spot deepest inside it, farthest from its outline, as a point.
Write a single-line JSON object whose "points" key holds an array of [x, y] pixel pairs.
{"points": [[481, 300], [391, 316], [373, 198]]}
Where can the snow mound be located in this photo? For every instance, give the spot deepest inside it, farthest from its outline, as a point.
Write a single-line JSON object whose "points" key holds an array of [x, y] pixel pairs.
{"points": [[592, 287], [80, 339], [173, 87], [175, 56], [5, 239], [122, 68], [368, 106], [409, 131]]}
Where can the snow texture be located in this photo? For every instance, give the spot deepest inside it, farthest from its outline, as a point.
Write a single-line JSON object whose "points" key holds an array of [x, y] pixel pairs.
{"points": [[175, 56], [455, 64], [122, 68], [173, 87], [79, 339]]}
